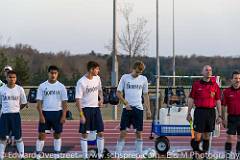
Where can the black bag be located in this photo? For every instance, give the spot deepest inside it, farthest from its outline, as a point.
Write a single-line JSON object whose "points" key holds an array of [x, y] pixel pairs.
{"points": [[168, 93], [113, 99], [69, 115], [71, 94], [181, 94], [106, 95], [32, 95]]}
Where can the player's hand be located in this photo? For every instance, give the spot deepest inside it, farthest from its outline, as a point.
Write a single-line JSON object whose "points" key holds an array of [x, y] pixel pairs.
{"points": [[100, 103], [224, 123], [219, 120], [42, 119], [128, 107], [149, 114], [82, 119], [189, 117], [63, 119]]}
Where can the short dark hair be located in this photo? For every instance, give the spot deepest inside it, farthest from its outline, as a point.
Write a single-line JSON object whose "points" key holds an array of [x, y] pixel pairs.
{"points": [[139, 65], [235, 72], [11, 72], [52, 67], [92, 65]]}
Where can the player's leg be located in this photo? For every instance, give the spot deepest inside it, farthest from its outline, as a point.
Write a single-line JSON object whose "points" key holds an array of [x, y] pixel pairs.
{"points": [[99, 127], [57, 144], [57, 127], [238, 139], [124, 125], [4, 130], [199, 127], [210, 116], [231, 132], [17, 133], [138, 126], [228, 145], [83, 130], [42, 127]]}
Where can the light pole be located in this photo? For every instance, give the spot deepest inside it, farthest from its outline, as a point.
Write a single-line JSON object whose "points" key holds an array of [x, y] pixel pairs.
{"points": [[173, 43], [114, 74], [158, 64]]}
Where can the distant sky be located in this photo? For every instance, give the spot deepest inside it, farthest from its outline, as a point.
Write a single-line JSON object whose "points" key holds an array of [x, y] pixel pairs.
{"points": [[203, 27]]}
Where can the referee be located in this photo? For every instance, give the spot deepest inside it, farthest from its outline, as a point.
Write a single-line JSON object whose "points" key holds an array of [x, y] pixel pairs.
{"points": [[231, 108], [205, 95]]}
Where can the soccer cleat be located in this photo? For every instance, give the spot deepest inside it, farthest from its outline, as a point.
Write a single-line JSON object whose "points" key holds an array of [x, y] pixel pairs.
{"points": [[194, 157]]}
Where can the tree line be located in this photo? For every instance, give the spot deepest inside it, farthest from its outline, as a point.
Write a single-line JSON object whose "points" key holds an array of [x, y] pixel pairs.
{"points": [[31, 65]]}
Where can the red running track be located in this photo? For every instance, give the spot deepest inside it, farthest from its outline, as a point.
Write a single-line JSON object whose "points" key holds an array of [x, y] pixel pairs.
{"points": [[71, 138]]}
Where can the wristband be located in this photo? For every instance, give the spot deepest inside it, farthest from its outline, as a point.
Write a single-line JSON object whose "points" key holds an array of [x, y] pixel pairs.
{"points": [[81, 114], [124, 103]]}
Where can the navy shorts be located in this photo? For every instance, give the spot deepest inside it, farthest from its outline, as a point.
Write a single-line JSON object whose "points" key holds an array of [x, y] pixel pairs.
{"points": [[204, 120], [233, 125], [94, 121], [10, 122], [52, 121], [132, 117]]}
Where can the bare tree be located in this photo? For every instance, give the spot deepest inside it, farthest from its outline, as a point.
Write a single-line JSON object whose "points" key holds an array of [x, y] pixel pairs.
{"points": [[133, 38]]}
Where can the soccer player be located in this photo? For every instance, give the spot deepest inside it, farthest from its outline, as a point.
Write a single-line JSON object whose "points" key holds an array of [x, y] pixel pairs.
{"points": [[205, 95], [9, 137], [231, 108], [88, 90], [129, 91], [12, 100], [52, 107], [5, 71]]}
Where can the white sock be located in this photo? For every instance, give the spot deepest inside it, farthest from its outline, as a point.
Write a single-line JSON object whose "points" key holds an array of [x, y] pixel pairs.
{"points": [[20, 148], [100, 146], [57, 143], [39, 148], [139, 144], [2, 149], [84, 146], [39, 145], [119, 147]]}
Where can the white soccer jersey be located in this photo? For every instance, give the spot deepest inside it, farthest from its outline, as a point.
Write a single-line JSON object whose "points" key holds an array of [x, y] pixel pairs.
{"points": [[12, 98], [87, 91], [133, 89], [52, 95]]}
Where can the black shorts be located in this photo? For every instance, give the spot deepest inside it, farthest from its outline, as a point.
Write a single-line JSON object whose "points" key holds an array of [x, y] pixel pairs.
{"points": [[94, 121], [132, 117], [204, 120], [233, 125], [52, 121], [10, 122]]}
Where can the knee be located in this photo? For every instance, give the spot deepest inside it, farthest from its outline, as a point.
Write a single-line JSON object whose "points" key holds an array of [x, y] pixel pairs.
{"points": [[100, 134], [206, 136], [84, 135], [57, 135], [123, 135], [19, 140], [41, 136], [139, 135]]}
